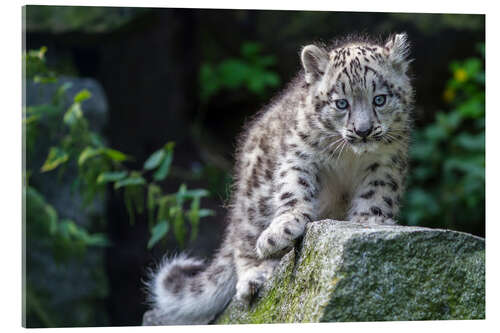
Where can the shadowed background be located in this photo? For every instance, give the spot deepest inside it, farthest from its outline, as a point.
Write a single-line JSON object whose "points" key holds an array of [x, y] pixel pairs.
{"points": [[194, 77]]}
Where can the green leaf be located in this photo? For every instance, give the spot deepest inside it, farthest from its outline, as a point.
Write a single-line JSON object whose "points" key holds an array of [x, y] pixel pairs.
{"points": [[250, 49], [473, 108], [31, 119], [435, 133], [52, 215], [73, 115], [164, 168], [67, 229], [111, 176], [50, 78], [450, 120], [37, 306], [179, 227], [209, 82], [40, 53], [153, 192], [97, 240], [233, 73], [471, 142], [470, 167], [180, 196], [87, 153], [163, 208], [454, 65], [82, 96], [154, 160], [169, 146], [96, 140], [56, 157], [115, 155], [265, 61], [421, 150], [138, 198], [158, 232], [423, 201], [205, 212], [421, 173], [196, 193], [61, 91], [70, 230], [194, 217], [127, 197], [472, 66], [130, 181]]}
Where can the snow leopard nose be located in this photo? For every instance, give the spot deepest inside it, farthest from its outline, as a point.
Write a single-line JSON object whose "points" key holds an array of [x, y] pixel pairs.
{"points": [[363, 131]]}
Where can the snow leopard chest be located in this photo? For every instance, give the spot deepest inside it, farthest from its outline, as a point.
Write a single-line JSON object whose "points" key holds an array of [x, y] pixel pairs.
{"points": [[339, 181]]}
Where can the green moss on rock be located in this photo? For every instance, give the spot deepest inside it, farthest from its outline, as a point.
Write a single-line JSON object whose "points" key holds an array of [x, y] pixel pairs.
{"points": [[351, 272]]}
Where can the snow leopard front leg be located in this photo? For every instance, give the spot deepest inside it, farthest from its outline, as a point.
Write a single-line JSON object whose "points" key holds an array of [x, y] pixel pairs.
{"points": [[377, 198], [296, 202]]}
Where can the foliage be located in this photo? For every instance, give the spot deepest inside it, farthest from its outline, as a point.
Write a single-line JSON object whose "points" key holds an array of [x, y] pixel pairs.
{"points": [[99, 165], [66, 237], [447, 181], [92, 167], [36, 68], [250, 71]]}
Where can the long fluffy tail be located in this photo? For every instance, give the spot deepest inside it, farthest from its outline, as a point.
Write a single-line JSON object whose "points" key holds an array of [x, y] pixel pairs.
{"points": [[188, 291]]}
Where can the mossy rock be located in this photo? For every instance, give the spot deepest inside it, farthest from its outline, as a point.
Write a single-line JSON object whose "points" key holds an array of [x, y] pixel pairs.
{"points": [[343, 271]]}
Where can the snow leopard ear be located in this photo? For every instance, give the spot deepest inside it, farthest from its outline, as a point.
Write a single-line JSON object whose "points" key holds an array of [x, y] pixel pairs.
{"points": [[398, 48], [314, 61]]}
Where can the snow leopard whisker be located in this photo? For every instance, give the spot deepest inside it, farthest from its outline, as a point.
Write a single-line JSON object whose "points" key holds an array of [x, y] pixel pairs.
{"points": [[394, 137], [390, 139], [339, 145], [330, 145], [344, 144], [335, 142], [329, 148]]}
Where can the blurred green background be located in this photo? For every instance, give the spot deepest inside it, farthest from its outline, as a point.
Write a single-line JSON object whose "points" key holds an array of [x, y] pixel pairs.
{"points": [[131, 116]]}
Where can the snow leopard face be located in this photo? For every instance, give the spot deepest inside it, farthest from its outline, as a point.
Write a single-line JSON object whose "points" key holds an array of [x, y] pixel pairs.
{"points": [[361, 91]]}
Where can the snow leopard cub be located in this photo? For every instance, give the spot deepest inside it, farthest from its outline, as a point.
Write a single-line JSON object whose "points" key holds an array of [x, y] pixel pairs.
{"points": [[333, 145]]}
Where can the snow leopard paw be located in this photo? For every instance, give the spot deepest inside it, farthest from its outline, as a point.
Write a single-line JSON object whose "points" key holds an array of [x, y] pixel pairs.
{"points": [[374, 220], [252, 280], [280, 234]]}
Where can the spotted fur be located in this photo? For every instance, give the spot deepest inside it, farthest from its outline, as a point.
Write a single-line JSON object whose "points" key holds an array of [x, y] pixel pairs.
{"points": [[326, 148]]}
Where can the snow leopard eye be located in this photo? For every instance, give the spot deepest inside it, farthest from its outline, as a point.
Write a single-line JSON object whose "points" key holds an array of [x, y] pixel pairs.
{"points": [[379, 100], [341, 104]]}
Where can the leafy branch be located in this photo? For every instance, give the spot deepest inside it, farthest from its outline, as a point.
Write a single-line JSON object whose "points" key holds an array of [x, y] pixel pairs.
{"points": [[250, 71], [99, 165], [448, 177]]}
